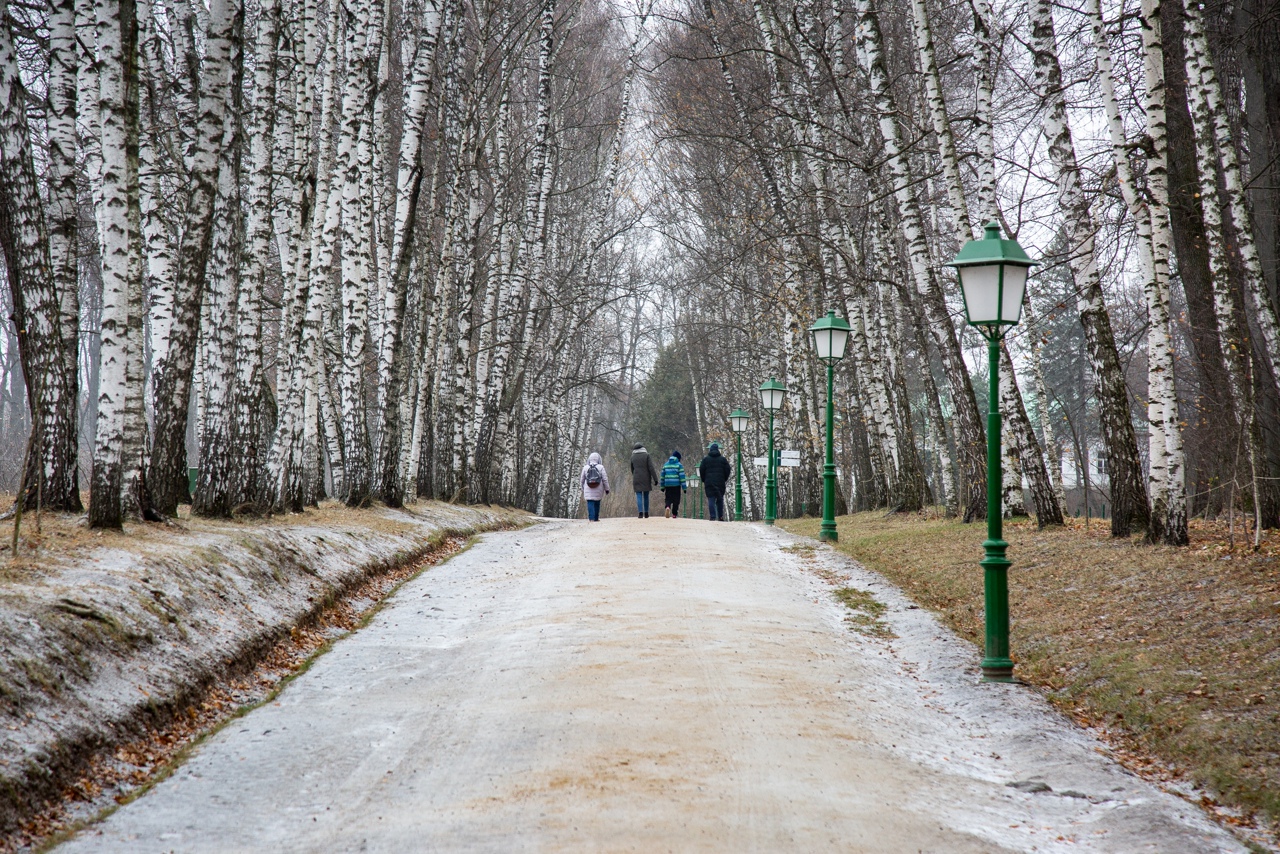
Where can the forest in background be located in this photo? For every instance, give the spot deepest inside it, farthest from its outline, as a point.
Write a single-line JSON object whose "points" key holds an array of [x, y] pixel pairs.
{"points": [[835, 154], [443, 248], [311, 249]]}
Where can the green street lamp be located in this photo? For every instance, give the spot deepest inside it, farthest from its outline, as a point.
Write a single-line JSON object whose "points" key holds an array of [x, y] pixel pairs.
{"points": [[830, 334], [993, 277], [772, 396], [738, 418]]}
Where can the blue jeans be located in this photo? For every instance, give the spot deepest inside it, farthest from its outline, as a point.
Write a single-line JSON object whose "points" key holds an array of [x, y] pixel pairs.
{"points": [[593, 510], [642, 502], [715, 507]]}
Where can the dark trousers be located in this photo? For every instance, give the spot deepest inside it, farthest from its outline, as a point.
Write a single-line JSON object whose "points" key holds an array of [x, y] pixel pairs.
{"points": [[672, 494], [715, 507], [593, 510], [642, 502]]}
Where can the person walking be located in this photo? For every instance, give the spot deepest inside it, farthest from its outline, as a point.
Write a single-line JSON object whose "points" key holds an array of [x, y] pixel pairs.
{"points": [[715, 471], [673, 484], [644, 477], [595, 485]]}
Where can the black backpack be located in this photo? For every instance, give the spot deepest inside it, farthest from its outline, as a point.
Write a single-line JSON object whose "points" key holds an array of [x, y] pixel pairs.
{"points": [[593, 475]]}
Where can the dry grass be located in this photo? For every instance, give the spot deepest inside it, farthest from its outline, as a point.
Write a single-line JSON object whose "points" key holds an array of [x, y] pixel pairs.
{"points": [[1174, 654]]}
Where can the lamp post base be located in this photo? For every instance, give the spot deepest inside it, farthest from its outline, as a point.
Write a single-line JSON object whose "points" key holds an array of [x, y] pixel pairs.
{"points": [[997, 670], [830, 534]]}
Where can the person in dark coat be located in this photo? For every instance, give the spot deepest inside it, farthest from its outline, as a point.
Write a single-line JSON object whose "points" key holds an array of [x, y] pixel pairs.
{"points": [[644, 477], [715, 471]]}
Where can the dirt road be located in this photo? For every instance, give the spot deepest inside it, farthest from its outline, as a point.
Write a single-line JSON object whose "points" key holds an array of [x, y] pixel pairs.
{"points": [[647, 686]]}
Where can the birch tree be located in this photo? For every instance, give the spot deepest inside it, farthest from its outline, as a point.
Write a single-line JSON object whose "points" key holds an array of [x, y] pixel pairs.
{"points": [[35, 280], [116, 486], [1128, 495], [167, 463]]}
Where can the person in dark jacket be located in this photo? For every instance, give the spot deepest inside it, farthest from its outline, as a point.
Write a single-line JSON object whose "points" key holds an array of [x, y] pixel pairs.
{"points": [[714, 471], [673, 484], [644, 477]]}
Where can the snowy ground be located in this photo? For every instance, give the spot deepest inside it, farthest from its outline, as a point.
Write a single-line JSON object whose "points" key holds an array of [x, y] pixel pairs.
{"points": [[105, 634], [650, 685]]}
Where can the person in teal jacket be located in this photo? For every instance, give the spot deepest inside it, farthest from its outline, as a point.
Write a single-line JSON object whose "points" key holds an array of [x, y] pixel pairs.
{"points": [[672, 482]]}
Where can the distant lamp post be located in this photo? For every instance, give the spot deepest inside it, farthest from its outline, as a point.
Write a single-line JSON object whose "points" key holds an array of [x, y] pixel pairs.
{"points": [[772, 396], [993, 277], [830, 334], [738, 418]]}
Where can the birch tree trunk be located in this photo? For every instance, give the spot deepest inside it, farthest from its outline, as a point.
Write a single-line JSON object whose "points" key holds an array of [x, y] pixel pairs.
{"points": [[1169, 493], [1204, 85], [532, 240], [115, 480], [947, 155], [1012, 500], [354, 153], [984, 93], [391, 364], [61, 446], [971, 450], [253, 401], [33, 287], [1226, 303], [215, 488], [1044, 496], [1128, 495], [167, 469], [1254, 282], [1052, 450]]}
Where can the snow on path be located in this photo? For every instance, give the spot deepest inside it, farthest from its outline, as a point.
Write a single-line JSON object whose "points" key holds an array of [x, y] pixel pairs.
{"points": [[645, 685]]}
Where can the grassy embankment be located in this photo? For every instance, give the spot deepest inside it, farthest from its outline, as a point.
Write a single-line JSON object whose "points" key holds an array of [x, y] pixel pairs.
{"points": [[1174, 653]]}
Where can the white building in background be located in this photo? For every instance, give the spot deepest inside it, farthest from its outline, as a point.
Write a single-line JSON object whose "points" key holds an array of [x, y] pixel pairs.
{"points": [[1099, 481]]}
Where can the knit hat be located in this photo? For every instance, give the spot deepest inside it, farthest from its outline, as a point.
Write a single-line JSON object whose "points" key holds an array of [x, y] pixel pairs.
{"points": [[676, 454], [637, 446], [715, 446]]}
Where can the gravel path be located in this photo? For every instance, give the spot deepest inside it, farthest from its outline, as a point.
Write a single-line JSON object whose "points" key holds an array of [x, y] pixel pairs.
{"points": [[648, 686]]}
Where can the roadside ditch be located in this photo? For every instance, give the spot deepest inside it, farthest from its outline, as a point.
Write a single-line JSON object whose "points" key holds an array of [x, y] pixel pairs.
{"points": [[123, 651]]}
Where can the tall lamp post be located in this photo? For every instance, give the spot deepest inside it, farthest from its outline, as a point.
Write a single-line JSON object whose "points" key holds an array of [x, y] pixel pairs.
{"points": [[772, 395], [993, 277], [738, 418], [830, 334]]}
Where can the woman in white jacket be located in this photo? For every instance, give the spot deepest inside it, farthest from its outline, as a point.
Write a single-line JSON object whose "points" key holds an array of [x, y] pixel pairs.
{"points": [[595, 486]]}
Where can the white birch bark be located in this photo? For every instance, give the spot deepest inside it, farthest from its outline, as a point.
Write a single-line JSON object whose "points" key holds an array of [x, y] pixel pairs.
{"points": [[1128, 493], [61, 446], [50, 466], [947, 155], [158, 219], [391, 370], [970, 450], [252, 393], [1226, 304], [1011, 497], [1165, 482], [1040, 396], [167, 469], [984, 94], [531, 245], [355, 150], [1169, 514], [114, 463], [213, 496], [1205, 85]]}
